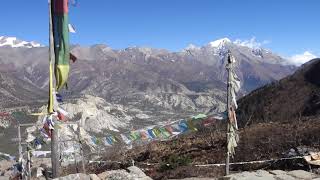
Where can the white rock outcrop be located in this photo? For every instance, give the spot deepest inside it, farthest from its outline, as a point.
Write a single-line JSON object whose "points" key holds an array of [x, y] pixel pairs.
{"points": [[273, 175]]}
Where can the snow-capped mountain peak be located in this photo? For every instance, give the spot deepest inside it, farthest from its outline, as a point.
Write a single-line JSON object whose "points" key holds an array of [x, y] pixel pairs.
{"points": [[15, 42], [191, 47], [219, 42]]}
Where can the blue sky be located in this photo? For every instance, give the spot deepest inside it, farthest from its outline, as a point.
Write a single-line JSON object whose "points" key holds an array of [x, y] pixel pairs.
{"points": [[287, 27]]}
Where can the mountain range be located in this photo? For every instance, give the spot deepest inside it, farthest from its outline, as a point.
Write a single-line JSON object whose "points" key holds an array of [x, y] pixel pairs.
{"points": [[15, 42], [151, 85]]}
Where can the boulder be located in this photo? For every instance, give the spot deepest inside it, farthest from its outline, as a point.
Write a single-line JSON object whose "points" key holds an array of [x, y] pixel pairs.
{"points": [[132, 173], [284, 177], [301, 174], [37, 172], [94, 177], [118, 175], [258, 175], [9, 173], [6, 164], [137, 173], [277, 172], [102, 175], [4, 177], [78, 176], [272, 175]]}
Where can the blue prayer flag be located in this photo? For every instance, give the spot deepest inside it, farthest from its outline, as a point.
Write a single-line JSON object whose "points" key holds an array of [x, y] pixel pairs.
{"points": [[59, 97]]}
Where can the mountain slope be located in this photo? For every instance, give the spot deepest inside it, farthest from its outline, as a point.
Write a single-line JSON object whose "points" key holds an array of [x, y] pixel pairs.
{"points": [[158, 84], [17, 92], [256, 66], [294, 97]]}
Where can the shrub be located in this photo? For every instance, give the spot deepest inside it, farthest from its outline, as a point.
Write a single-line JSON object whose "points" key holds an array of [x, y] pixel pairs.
{"points": [[174, 161]]}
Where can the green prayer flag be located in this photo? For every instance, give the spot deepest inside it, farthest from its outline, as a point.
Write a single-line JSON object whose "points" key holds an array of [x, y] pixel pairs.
{"points": [[164, 132], [61, 41], [191, 125], [156, 132], [200, 116]]}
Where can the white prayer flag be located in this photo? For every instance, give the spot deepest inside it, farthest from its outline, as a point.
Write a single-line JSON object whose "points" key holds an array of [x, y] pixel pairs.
{"points": [[71, 28]]}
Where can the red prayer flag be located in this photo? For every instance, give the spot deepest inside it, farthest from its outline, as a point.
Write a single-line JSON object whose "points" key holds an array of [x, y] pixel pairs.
{"points": [[47, 129], [61, 6], [209, 121], [61, 117]]}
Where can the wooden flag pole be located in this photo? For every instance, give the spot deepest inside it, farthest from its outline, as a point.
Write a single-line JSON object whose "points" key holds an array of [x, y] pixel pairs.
{"points": [[81, 149], [28, 162], [228, 108], [54, 132], [51, 59], [19, 138]]}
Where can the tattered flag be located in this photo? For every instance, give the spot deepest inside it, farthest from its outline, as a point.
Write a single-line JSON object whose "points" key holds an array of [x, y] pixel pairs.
{"points": [[59, 97], [73, 58], [61, 41], [71, 28]]}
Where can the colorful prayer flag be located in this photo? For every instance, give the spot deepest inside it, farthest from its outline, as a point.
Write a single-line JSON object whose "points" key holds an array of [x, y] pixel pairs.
{"points": [[156, 132], [113, 138], [234, 81], [71, 28], [94, 140], [38, 143], [109, 140], [43, 132], [143, 134], [59, 98], [183, 127], [164, 132], [169, 129], [191, 125], [73, 58], [125, 139], [134, 135], [47, 130], [61, 41], [18, 115], [199, 116], [175, 129], [30, 138], [61, 117], [62, 113], [151, 134], [209, 121]]}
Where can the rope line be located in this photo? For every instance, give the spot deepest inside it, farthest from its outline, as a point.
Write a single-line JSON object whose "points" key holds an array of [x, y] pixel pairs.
{"points": [[219, 164], [250, 162]]}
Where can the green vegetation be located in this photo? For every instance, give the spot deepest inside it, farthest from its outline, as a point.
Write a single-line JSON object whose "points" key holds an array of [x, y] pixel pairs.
{"points": [[174, 161]]}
